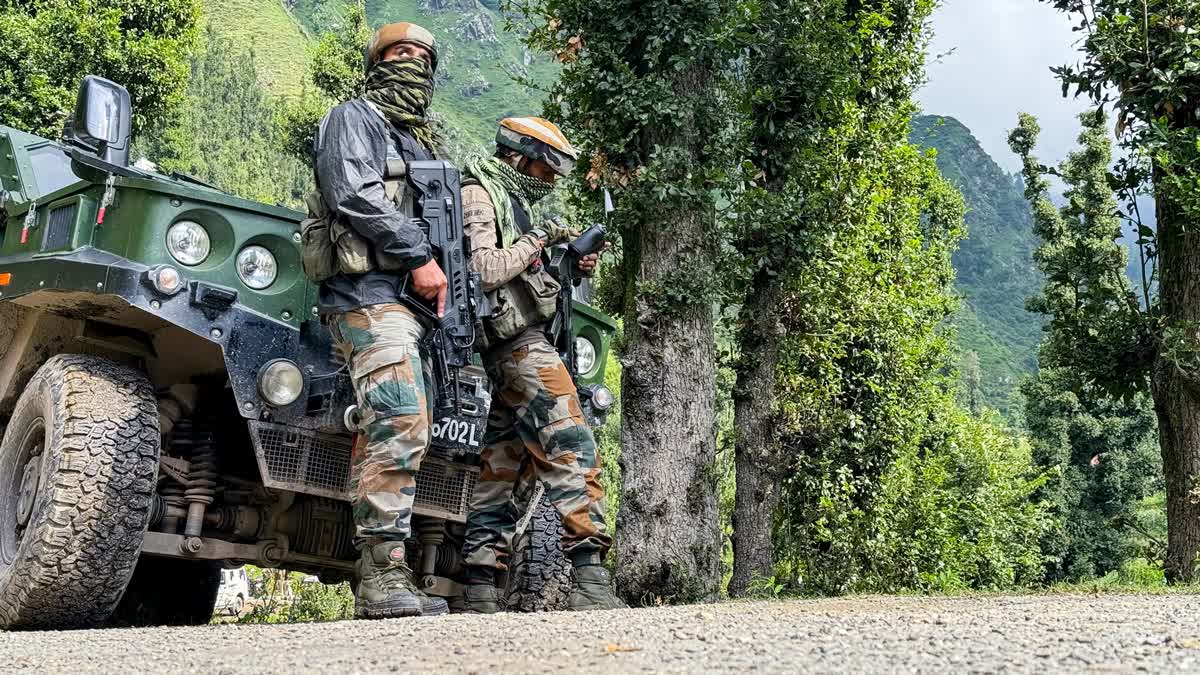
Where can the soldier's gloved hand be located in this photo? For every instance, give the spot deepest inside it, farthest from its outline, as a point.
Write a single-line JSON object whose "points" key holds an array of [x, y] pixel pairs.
{"points": [[557, 232]]}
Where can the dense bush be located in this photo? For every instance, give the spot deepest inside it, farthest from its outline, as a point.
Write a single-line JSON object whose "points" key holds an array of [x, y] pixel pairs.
{"points": [[282, 597], [953, 511], [1103, 460]]}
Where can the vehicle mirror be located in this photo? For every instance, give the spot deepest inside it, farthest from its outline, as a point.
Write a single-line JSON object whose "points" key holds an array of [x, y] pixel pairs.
{"points": [[102, 120]]}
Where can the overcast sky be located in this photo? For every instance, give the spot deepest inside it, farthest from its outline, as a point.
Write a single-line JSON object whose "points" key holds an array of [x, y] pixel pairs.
{"points": [[1003, 50]]}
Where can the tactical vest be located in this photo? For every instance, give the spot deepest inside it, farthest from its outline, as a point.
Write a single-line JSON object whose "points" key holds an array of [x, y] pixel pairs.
{"points": [[529, 300], [328, 245]]}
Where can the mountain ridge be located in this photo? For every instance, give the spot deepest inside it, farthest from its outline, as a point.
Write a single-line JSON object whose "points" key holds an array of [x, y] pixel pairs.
{"points": [[994, 264]]}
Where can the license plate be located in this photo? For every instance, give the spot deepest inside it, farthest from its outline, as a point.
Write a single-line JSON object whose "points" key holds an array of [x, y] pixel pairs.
{"points": [[459, 432]]}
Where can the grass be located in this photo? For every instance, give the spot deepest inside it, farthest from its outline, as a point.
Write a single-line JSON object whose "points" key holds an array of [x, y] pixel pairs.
{"points": [[280, 44]]}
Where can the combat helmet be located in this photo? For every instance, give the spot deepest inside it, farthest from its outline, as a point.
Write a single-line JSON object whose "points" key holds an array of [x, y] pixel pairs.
{"points": [[393, 33], [539, 139]]}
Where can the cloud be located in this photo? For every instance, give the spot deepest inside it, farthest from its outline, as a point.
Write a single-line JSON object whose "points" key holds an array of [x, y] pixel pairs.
{"points": [[996, 62]]}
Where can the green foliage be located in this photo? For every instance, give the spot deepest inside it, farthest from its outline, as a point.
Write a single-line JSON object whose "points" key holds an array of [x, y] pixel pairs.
{"points": [[337, 60], [485, 74], [1143, 56], [971, 383], [279, 42], [860, 226], [608, 444], [1096, 322], [636, 91], [890, 485], [642, 92], [1102, 459], [337, 71], [225, 132], [953, 511], [47, 47], [283, 597], [1086, 410], [768, 588]]}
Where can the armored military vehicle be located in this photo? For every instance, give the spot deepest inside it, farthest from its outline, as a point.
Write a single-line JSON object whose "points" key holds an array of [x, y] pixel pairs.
{"points": [[169, 397]]}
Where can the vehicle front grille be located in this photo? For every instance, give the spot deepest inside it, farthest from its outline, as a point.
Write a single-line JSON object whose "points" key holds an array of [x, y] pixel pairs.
{"points": [[302, 460], [444, 489], [318, 464]]}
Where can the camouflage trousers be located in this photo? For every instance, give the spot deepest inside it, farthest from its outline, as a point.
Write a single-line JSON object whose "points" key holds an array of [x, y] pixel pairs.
{"points": [[535, 425], [381, 345]]}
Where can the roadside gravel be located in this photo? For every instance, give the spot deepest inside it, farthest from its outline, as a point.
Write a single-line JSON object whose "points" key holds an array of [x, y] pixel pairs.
{"points": [[1075, 633]]}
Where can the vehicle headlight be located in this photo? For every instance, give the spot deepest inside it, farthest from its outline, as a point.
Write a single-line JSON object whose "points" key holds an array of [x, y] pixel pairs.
{"points": [[602, 398], [188, 242], [585, 355], [256, 267], [280, 382]]}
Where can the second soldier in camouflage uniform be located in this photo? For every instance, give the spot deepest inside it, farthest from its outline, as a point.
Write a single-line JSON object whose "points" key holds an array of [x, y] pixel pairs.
{"points": [[536, 420]]}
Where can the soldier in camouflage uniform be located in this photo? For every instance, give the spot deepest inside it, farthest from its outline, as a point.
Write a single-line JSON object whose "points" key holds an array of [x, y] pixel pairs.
{"points": [[360, 304], [535, 421]]}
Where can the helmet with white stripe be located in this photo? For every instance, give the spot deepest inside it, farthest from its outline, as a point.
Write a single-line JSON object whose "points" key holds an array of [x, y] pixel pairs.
{"points": [[538, 139]]}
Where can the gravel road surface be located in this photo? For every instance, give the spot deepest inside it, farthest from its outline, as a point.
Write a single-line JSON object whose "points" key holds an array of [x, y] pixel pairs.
{"points": [[1072, 633]]}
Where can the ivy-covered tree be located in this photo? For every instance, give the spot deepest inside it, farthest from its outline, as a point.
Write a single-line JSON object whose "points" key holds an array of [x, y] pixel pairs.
{"points": [[829, 87], [47, 47], [644, 91], [1139, 58]]}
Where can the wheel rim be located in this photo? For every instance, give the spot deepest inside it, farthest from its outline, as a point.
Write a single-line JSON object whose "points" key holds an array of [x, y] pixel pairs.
{"points": [[20, 476]]}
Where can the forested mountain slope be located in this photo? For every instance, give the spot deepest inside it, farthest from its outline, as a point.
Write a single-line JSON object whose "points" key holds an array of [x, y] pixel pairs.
{"points": [[994, 264], [479, 59]]}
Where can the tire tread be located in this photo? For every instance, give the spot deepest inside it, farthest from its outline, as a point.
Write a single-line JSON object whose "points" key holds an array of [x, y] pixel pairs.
{"points": [[86, 532]]}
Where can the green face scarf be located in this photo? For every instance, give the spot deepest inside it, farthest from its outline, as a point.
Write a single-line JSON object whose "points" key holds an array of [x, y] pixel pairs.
{"points": [[501, 180], [402, 90]]}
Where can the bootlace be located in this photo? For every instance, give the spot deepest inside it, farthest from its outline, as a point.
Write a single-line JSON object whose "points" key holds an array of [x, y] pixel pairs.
{"points": [[397, 576]]}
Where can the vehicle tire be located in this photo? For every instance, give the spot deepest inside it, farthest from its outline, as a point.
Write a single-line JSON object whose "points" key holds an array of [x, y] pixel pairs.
{"points": [[169, 592], [539, 575], [239, 606], [78, 465]]}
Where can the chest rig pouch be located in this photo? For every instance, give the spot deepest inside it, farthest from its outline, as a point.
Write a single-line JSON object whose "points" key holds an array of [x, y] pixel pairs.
{"points": [[328, 245], [528, 300]]}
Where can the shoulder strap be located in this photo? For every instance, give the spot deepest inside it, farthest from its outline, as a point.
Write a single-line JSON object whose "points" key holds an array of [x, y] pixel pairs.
{"points": [[520, 215]]}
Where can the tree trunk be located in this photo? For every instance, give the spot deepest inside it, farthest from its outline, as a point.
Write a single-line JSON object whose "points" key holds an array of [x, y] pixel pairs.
{"points": [[757, 449], [667, 531], [1176, 392]]}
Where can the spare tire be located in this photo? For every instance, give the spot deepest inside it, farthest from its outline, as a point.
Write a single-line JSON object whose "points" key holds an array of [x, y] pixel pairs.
{"points": [[78, 465], [539, 575]]}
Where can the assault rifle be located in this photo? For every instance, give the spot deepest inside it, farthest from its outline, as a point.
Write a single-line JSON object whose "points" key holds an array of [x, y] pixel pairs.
{"points": [[564, 266], [461, 401]]}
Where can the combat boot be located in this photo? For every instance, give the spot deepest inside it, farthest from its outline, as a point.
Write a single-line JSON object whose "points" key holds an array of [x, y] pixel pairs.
{"points": [[481, 599], [386, 589], [592, 589], [480, 595]]}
